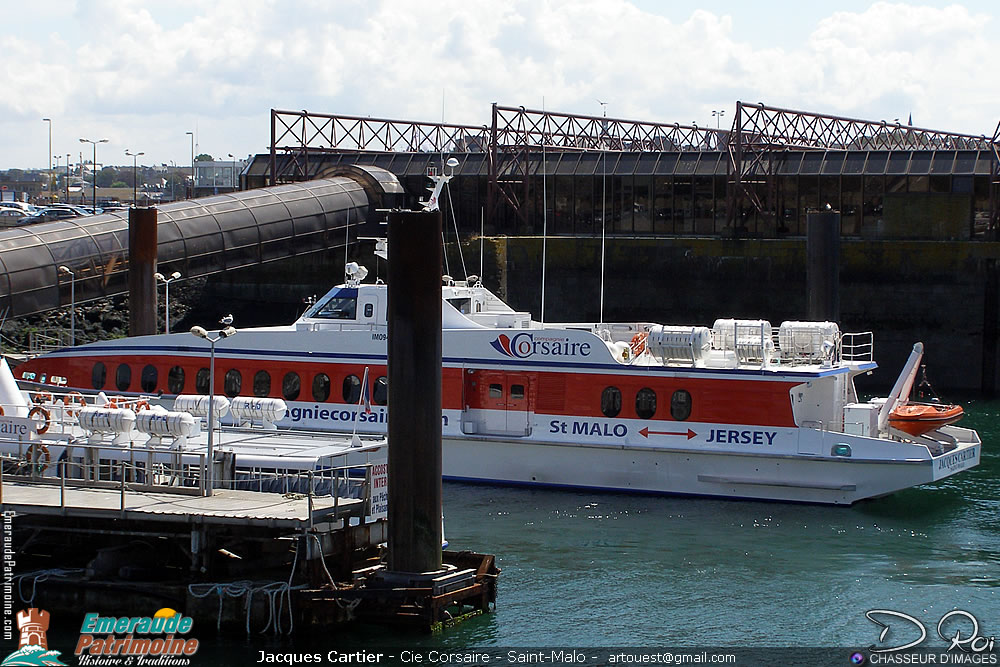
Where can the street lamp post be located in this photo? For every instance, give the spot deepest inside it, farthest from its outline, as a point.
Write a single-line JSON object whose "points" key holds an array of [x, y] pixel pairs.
{"points": [[201, 333], [232, 173], [55, 179], [49, 121], [67, 177], [166, 297], [135, 176], [94, 165], [191, 134], [718, 117], [72, 302]]}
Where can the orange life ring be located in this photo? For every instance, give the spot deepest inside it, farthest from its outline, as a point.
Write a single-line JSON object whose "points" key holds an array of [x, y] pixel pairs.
{"points": [[71, 398], [1, 411], [141, 404], [638, 344], [116, 402], [41, 397], [29, 454], [39, 410]]}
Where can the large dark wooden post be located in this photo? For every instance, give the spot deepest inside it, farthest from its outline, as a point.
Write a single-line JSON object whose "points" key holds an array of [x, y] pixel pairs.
{"points": [[142, 245], [823, 265], [414, 372]]}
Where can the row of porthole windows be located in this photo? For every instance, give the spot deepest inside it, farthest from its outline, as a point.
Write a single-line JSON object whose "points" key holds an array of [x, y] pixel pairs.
{"points": [[645, 403], [232, 385]]}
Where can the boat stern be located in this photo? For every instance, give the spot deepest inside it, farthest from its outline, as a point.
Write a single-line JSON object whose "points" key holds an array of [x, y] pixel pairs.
{"points": [[964, 455]]}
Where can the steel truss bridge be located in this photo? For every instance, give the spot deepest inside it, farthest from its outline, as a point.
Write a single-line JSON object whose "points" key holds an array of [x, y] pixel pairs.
{"points": [[754, 145]]}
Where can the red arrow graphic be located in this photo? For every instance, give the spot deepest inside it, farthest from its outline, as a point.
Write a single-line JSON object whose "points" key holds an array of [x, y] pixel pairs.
{"points": [[646, 433]]}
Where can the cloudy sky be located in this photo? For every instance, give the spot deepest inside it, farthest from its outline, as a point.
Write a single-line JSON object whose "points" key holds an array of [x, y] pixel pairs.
{"points": [[141, 74]]}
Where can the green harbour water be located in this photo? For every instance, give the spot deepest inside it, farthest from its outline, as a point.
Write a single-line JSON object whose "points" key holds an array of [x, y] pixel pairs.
{"points": [[587, 569]]}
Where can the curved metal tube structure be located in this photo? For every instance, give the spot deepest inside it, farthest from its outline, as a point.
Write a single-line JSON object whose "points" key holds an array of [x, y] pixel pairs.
{"points": [[197, 237]]}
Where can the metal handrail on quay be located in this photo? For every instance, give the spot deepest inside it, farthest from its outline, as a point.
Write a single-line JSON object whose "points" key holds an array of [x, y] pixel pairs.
{"points": [[145, 474]]}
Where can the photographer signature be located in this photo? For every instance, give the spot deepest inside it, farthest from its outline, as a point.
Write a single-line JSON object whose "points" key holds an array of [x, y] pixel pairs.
{"points": [[957, 620]]}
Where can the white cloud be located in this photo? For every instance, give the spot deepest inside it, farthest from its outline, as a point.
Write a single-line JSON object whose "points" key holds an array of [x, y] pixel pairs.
{"points": [[143, 75]]}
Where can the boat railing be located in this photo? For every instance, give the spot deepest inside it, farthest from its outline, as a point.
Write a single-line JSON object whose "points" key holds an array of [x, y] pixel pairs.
{"points": [[858, 346]]}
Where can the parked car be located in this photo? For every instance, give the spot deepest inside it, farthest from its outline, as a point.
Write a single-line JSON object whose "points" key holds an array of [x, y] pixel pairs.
{"points": [[10, 216], [26, 209], [79, 210], [49, 214]]}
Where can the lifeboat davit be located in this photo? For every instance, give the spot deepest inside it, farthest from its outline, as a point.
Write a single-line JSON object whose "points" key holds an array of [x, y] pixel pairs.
{"points": [[919, 418]]}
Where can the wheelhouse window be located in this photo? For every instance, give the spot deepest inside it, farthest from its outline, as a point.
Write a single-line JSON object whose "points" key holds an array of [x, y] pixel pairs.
{"points": [[645, 403], [462, 304], [233, 383], [98, 375], [351, 390], [611, 401], [291, 385], [496, 390], [201, 381], [148, 378], [175, 380], [517, 392], [338, 308], [123, 377], [380, 394], [680, 405], [261, 384], [321, 387]]}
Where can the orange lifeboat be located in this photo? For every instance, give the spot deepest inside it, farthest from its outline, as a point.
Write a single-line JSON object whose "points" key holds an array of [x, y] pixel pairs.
{"points": [[919, 418]]}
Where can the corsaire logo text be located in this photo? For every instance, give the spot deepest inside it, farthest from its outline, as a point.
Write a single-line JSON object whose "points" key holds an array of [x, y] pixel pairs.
{"points": [[524, 345]]}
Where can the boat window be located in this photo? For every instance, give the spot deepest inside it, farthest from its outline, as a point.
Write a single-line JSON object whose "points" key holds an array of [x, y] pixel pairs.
{"points": [[201, 381], [496, 391], [611, 401], [123, 377], [290, 386], [517, 392], [645, 403], [148, 378], [339, 308], [380, 395], [321, 387], [233, 383], [175, 380], [261, 384], [462, 305], [351, 389], [680, 405], [369, 309], [98, 375]]}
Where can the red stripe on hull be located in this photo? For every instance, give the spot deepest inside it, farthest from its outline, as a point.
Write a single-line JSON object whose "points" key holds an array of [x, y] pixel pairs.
{"points": [[757, 402]]}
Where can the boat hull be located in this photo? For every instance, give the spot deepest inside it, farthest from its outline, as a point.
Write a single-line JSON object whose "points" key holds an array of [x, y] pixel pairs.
{"points": [[782, 477]]}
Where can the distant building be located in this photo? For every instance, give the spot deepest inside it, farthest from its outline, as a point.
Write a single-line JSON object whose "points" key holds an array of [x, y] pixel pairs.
{"points": [[217, 176]]}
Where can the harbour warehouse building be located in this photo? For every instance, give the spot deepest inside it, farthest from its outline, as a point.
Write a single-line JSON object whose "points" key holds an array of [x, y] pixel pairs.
{"points": [[756, 179]]}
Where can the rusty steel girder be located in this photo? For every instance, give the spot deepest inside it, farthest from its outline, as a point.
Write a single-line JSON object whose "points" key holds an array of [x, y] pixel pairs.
{"points": [[297, 134]]}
